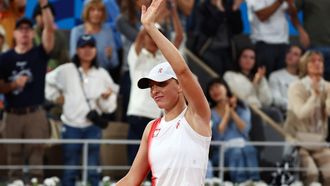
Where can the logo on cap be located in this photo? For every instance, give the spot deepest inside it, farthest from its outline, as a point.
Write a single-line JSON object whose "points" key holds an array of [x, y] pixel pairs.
{"points": [[86, 37], [160, 70]]}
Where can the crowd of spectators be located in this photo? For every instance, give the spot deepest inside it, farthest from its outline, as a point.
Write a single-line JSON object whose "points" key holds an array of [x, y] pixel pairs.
{"points": [[110, 51]]}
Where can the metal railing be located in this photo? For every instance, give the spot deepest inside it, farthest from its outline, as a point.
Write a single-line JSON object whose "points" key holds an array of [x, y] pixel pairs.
{"points": [[84, 167]]}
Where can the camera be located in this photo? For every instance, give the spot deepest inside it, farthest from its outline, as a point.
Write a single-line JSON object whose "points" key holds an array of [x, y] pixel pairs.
{"points": [[97, 119]]}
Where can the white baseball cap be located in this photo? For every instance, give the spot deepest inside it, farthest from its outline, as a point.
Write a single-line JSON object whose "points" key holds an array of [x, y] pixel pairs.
{"points": [[159, 73]]}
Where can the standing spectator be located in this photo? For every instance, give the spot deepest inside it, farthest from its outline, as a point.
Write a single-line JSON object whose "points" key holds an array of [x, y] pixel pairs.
{"points": [[308, 112], [269, 31], [216, 25], [128, 24], [60, 53], [232, 123], [3, 45], [79, 82], [113, 11], [94, 17], [185, 8], [13, 10], [22, 80], [280, 80], [249, 83], [315, 22]]}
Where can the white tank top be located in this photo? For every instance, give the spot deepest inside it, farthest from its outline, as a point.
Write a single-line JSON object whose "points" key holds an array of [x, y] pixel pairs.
{"points": [[177, 154]]}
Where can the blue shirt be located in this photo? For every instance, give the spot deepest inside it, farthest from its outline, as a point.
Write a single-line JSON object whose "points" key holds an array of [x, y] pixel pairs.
{"points": [[104, 39], [113, 12], [231, 131]]}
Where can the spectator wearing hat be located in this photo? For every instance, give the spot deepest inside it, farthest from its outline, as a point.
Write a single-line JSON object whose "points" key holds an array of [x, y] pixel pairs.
{"points": [[22, 80], [59, 54], [85, 86], [307, 117]]}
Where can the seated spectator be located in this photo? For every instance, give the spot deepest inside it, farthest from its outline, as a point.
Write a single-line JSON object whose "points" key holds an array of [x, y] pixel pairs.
{"points": [[94, 17], [231, 121], [280, 80], [3, 45], [59, 54], [307, 117], [249, 84], [85, 87]]}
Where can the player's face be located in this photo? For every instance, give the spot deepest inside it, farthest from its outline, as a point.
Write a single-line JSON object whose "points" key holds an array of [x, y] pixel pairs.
{"points": [[165, 94]]}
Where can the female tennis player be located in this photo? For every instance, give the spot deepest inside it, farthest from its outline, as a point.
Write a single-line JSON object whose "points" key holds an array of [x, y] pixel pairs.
{"points": [[174, 147]]}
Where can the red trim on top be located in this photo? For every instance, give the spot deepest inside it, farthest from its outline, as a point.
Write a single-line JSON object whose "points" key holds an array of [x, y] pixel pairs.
{"points": [[150, 136]]}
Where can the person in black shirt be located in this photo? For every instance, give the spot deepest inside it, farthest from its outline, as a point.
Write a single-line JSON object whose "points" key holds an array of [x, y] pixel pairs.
{"points": [[22, 80]]}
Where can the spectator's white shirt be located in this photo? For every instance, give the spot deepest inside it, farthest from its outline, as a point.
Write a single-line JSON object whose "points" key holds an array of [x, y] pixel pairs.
{"points": [[275, 29], [140, 101], [65, 79], [279, 82], [244, 89]]}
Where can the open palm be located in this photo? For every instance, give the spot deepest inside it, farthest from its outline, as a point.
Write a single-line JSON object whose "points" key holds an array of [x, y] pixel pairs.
{"points": [[149, 14]]}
